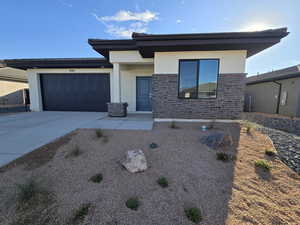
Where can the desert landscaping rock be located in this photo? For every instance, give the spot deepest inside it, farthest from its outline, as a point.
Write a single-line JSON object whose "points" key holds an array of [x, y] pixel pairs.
{"points": [[135, 161], [287, 146], [216, 139]]}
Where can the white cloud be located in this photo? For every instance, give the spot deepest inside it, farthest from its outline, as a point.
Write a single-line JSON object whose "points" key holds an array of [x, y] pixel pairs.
{"points": [[126, 31], [66, 4], [139, 22], [122, 15], [178, 21]]}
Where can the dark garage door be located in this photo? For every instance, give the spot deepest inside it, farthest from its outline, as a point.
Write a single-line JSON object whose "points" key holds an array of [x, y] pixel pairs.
{"points": [[75, 92]]}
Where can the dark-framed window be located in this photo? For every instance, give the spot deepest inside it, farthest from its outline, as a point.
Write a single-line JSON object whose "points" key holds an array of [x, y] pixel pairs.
{"points": [[198, 78]]}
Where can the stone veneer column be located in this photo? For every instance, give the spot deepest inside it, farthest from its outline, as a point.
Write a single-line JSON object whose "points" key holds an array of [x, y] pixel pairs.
{"points": [[227, 105]]}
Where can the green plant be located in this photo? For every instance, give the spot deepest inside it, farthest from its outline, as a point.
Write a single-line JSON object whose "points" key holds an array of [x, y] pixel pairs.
{"points": [[97, 178], [133, 203], [99, 133], [74, 152], [193, 214], [270, 152], [81, 212], [263, 164], [173, 125], [27, 190], [163, 182], [249, 126], [222, 156], [153, 145]]}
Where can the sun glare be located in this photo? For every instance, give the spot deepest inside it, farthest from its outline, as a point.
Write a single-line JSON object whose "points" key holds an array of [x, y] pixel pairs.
{"points": [[256, 27]]}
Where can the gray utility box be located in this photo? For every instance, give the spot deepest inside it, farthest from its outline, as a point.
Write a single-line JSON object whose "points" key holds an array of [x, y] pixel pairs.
{"points": [[117, 109]]}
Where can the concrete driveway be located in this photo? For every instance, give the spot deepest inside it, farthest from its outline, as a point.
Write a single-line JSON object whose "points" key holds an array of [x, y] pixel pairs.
{"points": [[24, 132]]}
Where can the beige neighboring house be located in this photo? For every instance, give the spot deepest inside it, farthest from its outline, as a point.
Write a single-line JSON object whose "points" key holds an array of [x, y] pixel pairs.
{"points": [[276, 92], [12, 85]]}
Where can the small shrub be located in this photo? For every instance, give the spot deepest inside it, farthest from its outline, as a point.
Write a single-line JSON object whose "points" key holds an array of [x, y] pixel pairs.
{"points": [[153, 145], [163, 182], [263, 164], [249, 126], [99, 133], [132, 203], [270, 152], [193, 214], [74, 152], [27, 191], [97, 178], [173, 125], [81, 212], [222, 156]]}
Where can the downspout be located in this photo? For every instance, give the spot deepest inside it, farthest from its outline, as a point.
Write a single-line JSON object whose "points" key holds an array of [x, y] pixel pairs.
{"points": [[279, 96]]}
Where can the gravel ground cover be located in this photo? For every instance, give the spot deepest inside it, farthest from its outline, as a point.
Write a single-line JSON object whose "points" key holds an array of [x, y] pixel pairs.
{"points": [[226, 192], [287, 145]]}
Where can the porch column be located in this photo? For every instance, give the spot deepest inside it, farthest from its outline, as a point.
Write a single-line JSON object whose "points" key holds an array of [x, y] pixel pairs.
{"points": [[116, 97]]}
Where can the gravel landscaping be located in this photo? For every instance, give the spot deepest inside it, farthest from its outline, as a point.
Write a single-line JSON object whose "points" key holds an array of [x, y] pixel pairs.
{"points": [[287, 145], [79, 179]]}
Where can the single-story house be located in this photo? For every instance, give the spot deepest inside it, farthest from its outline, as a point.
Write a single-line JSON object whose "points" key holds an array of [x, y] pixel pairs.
{"points": [[276, 92], [190, 76], [13, 86]]}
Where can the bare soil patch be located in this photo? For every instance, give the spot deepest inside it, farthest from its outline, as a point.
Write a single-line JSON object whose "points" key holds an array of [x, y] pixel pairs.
{"points": [[226, 192]]}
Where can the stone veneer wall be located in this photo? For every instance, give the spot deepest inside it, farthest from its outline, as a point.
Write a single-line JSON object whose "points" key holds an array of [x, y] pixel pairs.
{"points": [[227, 105], [274, 121]]}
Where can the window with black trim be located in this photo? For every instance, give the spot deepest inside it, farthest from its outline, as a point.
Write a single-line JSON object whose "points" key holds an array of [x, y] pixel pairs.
{"points": [[198, 78]]}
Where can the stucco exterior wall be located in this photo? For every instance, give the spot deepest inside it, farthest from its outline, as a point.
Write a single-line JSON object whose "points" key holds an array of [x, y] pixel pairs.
{"points": [[230, 61], [128, 83], [265, 95], [9, 92], [35, 88], [128, 57], [292, 88], [8, 87]]}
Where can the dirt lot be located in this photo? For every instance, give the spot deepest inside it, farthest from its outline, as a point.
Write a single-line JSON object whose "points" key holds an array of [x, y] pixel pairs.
{"points": [[233, 192]]}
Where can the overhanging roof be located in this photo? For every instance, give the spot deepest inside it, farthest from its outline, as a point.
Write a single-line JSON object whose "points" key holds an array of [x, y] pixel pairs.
{"points": [[56, 63], [147, 44], [286, 73]]}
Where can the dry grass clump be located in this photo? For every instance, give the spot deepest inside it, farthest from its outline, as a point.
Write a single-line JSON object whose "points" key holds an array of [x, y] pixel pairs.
{"points": [[34, 205], [75, 152], [81, 213]]}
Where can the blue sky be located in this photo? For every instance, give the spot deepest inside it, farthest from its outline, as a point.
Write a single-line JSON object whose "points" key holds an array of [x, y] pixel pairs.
{"points": [[60, 28]]}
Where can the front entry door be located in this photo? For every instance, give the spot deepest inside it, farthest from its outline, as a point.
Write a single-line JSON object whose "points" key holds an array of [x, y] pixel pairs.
{"points": [[144, 94]]}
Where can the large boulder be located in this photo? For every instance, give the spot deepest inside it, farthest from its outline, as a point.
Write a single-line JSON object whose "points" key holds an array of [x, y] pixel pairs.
{"points": [[135, 161]]}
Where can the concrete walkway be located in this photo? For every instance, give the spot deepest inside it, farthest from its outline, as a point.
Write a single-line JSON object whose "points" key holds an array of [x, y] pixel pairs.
{"points": [[22, 133]]}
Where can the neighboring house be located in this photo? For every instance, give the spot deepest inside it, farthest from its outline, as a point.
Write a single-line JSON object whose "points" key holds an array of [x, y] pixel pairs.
{"points": [[13, 83], [192, 76], [275, 92]]}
